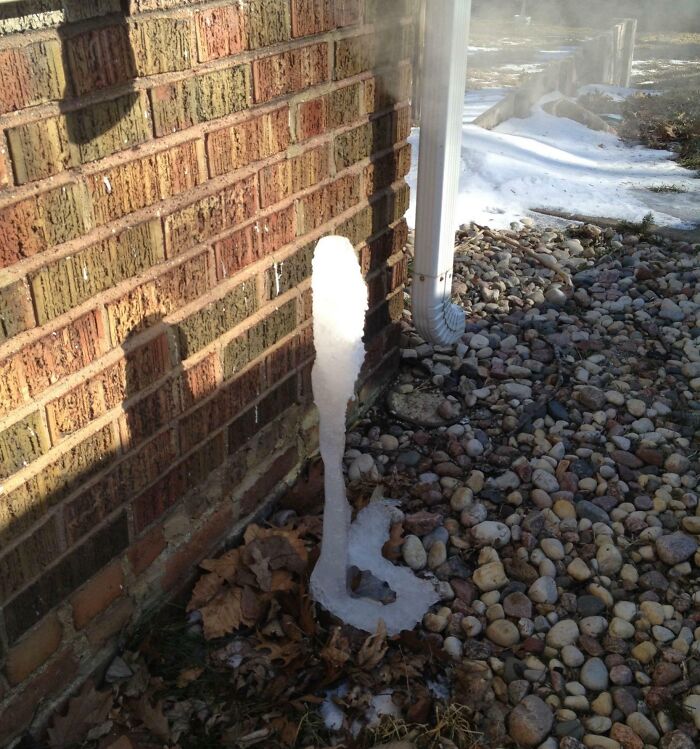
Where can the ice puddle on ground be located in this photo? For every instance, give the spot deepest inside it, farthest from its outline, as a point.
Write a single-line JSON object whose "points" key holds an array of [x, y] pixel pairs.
{"points": [[553, 163]]}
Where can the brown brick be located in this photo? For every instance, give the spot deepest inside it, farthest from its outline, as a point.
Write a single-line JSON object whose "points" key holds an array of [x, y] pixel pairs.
{"points": [[33, 650], [335, 109], [220, 32], [288, 72], [72, 280], [292, 271], [207, 324], [371, 137], [268, 23], [41, 149], [386, 88], [24, 562], [22, 442], [33, 225], [19, 711], [150, 413], [142, 182], [157, 297], [201, 98], [116, 383], [99, 58], [182, 564], [264, 334], [161, 45], [383, 172], [209, 216], [355, 55], [255, 241], [16, 311], [261, 490], [252, 140], [139, 469], [145, 550], [31, 75], [61, 353], [322, 205], [21, 508], [316, 16], [285, 178], [97, 594], [61, 580], [111, 623], [199, 380]]}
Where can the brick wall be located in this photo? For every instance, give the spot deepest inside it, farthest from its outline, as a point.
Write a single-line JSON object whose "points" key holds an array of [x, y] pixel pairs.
{"points": [[166, 167]]}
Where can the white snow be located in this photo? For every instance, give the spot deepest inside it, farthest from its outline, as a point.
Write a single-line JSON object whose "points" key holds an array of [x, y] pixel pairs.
{"points": [[554, 163]]}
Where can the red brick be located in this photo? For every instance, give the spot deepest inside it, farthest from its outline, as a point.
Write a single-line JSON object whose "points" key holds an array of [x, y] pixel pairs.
{"points": [[111, 623], [288, 72], [255, 241], [220, 32], [145, 550], [16, 309], [182, 564], [275, 473], [386, 170], [317, 16], [18, 712], [31, 75], [248, 141], [99, 58], [97, 594], [33, 650], [150, 413], [285, 178], [200, 380]]}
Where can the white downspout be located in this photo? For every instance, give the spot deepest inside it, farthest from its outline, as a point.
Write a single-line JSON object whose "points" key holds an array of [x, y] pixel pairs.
{"points": [[442, 102]]}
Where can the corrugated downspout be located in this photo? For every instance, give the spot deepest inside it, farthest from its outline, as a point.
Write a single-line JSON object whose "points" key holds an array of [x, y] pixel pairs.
{"points": [[442, 102]]}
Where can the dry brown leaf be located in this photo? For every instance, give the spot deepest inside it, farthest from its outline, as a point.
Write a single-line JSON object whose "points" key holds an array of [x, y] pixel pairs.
{"points": [[223, 614], [392, 547], [336, 652], [152, 717], [188, 676], [284, 652], [259, 566], [123, 742], [205, 589], [282, 581], [373, 649], [86, 711], [225, 566]]}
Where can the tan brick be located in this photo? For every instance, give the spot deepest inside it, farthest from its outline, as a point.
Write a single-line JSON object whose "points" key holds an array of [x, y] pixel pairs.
{"points": [[129, 187], [268, 22], [97, 594], [151, 300], [333, 110], [22, 442], [355, 55], [201, 98], [33, 650], [30, 75], [72, 280], [16, 311], [291, 272], [371, 137], [208, 323], [99, 58], [111, 623], [252, 140], [209, 216], [40, 149], [161, 45], [220, 32], [285, 178], [387, 169], [316, 16], [288, 72]]}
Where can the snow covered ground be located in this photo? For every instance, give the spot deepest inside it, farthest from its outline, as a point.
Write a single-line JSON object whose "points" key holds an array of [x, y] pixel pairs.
{"points": [[547, 162]]}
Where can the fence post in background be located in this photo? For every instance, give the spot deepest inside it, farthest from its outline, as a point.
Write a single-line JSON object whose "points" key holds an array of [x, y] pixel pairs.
{"points": [[418, 46]]}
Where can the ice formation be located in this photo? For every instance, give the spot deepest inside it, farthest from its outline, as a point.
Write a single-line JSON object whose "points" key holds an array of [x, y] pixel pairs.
{"points": [[339, 307]]}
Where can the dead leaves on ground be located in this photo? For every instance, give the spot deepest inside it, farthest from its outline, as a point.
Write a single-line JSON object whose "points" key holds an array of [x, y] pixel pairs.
{"points": [[241, 584], [86, 716]]}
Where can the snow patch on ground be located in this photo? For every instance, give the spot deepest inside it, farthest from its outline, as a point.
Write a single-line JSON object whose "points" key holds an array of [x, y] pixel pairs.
{"points": [[547, 162]]}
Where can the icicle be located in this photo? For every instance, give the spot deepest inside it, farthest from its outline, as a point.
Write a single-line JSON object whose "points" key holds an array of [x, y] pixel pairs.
{"points": [[339, 307]]}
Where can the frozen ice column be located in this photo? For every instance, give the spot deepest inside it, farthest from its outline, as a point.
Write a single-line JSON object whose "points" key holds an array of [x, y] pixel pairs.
{"points": [[339, 307]]}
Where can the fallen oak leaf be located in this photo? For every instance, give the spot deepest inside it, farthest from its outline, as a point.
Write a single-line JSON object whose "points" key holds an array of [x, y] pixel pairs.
{"points": [[336, 652], [86, 712], [225, 566], [152, 717], [205, 589], [230, 610]]}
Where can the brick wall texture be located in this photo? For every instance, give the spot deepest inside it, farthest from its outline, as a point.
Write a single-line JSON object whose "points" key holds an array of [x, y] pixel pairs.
{"points": [[166, 167]]}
